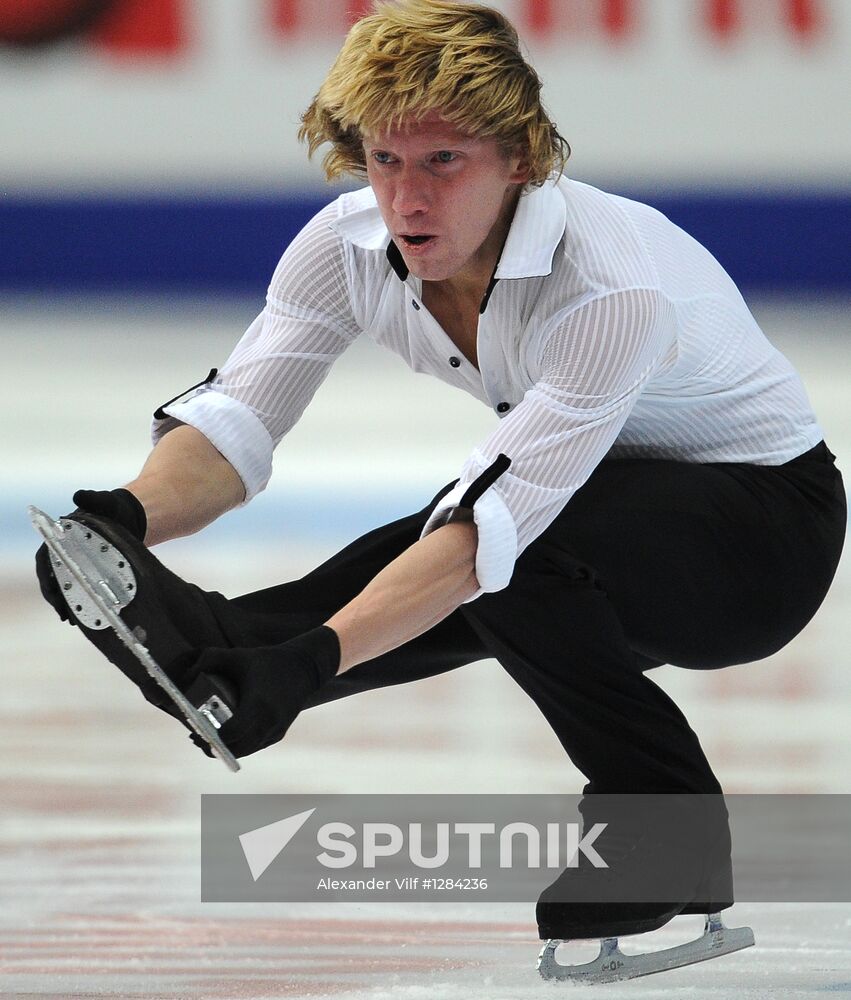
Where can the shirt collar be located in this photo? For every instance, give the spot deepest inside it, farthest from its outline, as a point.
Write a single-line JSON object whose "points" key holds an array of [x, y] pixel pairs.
{"points": [[536, 230]]}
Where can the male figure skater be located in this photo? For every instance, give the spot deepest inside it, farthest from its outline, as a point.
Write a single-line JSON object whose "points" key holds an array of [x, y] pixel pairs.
{"points": [[655, 490]]}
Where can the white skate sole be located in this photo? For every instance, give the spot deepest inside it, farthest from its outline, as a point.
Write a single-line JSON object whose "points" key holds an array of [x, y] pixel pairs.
{"points": [[612, 965], [98, 583]]}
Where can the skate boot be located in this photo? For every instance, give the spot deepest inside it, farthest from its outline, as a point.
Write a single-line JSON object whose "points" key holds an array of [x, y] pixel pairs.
{"points": [[663, 856], [140, 615]]}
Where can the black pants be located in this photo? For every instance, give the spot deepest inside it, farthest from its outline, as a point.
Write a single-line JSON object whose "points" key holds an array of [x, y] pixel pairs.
{"points": [[651, 562]]}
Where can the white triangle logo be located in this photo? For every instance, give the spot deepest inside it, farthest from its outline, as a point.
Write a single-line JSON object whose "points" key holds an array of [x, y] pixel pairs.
{"points": [[263, 845]]}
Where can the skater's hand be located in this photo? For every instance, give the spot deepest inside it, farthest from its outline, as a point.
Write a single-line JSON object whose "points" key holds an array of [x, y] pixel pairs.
{"points": [[272, 685], [119, 505]]}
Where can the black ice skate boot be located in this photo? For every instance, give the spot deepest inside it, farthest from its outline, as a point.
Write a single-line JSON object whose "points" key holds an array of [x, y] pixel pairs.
{"points": [[663, 854], [165, 613], [715, 892], [666, 856]]}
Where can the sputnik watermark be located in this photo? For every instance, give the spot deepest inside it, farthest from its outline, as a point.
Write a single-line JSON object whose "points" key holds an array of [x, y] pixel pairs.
{"points": [[365, 846], [508, 848]]}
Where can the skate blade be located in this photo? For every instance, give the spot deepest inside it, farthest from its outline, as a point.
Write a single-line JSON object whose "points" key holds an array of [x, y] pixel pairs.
{"points": [[100, 589], [612, 965]]}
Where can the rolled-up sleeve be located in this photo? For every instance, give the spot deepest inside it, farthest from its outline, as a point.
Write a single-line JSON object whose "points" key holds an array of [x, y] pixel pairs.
{"points": [[595, 361], [281, 360], [232, 428], [497, 532]]}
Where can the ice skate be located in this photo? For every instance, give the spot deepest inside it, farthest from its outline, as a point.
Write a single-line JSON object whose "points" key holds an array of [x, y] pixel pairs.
{"points": [[103, 574], [611, 964], [664, 856]]}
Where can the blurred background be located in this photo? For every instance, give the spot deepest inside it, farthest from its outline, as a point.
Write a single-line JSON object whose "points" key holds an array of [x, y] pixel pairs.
{"points": [[150, 178]]}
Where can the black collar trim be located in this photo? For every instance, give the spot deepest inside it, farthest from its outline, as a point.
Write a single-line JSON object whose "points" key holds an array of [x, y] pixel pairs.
{"points": [[488, 293], [394, 255]]}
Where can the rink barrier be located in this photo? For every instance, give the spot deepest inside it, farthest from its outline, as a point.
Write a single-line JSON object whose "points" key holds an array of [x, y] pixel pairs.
{"points": [[792, 242]]}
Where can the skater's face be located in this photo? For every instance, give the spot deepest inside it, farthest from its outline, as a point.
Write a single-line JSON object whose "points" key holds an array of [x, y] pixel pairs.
{"points": [[447, 198]]}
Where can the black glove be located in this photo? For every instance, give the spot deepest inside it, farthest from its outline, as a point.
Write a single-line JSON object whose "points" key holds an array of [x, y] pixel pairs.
{"points": [[271, 683], [118, 505]]}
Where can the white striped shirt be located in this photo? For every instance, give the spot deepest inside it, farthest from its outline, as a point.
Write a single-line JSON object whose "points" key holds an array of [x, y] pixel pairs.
{"points": [[609, 331]]}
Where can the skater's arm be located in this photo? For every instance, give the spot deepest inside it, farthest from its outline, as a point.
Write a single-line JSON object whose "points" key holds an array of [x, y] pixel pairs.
{"points": [[410, 595], [184, 485]]}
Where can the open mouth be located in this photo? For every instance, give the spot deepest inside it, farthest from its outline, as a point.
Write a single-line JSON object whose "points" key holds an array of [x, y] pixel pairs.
{"points": [[416, 241]]}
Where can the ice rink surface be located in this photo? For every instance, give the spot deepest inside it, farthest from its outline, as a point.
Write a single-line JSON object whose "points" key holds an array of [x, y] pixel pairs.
{"points": [[100, 794]]}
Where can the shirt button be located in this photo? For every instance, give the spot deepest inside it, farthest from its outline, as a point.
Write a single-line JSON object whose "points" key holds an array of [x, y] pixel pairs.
{"points": [[503, 407], [415, 304], [455, 362]]}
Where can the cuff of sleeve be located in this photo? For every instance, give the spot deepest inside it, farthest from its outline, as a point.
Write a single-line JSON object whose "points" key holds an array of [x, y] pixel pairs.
{"points": [[496, 551], [232, 429]]}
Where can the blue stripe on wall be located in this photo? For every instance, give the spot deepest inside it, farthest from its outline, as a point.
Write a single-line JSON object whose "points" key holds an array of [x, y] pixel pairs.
{"points": [[781, 242], [156, 244]]}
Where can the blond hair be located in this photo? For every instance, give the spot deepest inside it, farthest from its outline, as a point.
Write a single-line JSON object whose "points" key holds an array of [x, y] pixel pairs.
{"points": [[411, 57]]}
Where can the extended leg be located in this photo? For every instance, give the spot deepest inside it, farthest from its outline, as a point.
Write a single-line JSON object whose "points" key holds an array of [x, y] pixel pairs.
{"points": [[279, 613]]}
